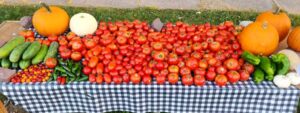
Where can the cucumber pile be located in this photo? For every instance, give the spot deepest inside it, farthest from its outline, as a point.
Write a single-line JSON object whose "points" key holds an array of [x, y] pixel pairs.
{"points": [[17, 53]]}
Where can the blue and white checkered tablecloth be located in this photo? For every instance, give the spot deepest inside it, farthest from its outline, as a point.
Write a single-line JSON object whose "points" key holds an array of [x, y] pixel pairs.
{"points": [[243, 97]]}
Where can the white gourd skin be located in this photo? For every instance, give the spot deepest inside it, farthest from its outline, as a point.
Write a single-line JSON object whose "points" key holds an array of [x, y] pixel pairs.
{"points": [[282, 81], [294, 78], [83, 23]]}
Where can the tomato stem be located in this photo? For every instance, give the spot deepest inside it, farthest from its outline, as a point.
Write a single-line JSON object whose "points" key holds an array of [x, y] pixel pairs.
{"points": [[46, 6]]}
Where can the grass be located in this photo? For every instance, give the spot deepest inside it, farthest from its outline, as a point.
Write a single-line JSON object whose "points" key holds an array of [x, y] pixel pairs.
{"points": [[146, 14]]}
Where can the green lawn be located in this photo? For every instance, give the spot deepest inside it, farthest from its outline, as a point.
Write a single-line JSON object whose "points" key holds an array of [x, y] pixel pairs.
{"points": [[147, 14]]}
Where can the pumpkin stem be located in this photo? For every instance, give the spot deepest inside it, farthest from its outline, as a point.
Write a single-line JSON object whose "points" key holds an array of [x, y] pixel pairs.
{"points": [[265, 25], [276, 7], [46, 6]]}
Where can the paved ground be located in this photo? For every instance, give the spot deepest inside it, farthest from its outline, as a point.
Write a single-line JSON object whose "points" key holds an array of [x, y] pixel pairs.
{"points": [[292, 6]]}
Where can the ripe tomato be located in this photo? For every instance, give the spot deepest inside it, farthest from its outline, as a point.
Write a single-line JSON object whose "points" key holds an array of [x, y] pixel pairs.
{"points": [[203, 64], [46, 42], [233, 76], [77, 45], [199, 80], [200, 71], [76, 56], [89, 43], [147, 79], [185, 71], [65, 54], [107, 78], [63, 42], [244, 75], [187, 80], [52, 38], [180, 50], [112, 65], [173, 59], [173, 78], [121, 40], [99, 79], [92, 78], [248, 67], [160, 79], [210, 75], [215, 46], [135, 78], [157, 46], [93, 62], [221, 70], [231, 64], [192, 63], [117, 79], [221, 80], [51, 62], [159, 56], [30, 39], [173, 69], [86, 70], [212, 61]]}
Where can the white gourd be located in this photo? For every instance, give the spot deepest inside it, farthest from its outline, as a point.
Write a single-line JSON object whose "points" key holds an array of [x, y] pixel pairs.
{"points": [[83, 23]]}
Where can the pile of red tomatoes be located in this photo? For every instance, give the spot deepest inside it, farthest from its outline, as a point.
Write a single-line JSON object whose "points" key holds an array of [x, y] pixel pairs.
{"points": [[124, 51]]}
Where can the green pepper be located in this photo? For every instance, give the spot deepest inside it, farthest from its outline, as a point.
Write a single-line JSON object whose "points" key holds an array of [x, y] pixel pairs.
{"points": [[249, 57], [266, 66], [258, 75], [283, 63], [274, 67], [83, 78], [72, 79], [63, 71], [54, 76], [61, 62], [75, 68], [70, 64], [66, 68]]}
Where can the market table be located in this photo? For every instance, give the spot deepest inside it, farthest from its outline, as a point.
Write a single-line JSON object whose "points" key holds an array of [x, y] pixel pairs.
{"points": [[243, 97]]}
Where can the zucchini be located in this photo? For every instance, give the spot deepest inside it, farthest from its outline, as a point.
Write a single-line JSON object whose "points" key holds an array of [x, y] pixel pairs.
{"points": [[40, 55], [10, 45], [32, 50], [16, 54], [5, 63], [23, 64], [52, 51]]}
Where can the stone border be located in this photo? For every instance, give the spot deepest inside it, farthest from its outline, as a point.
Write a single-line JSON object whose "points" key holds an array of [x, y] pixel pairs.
{"points": [[241, 5]]}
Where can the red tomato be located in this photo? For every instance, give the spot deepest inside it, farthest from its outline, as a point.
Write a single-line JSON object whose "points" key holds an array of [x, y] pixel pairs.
{"points": [[121, 40], [135, 78], [86, 70], [30, 39], [112, 65], [159, 65], [173, 69], [126, 78], [76, 56], [185, 71], [107, 78], [221, 70], [248, 67], [157, 46], [159, 56], [52, 38], [221, 80], [147, 79], [99, 79], [231, 64], [215, 46], [173, 59], [51, 62], [192, 63], [92, 78], [199, 80], [77, 45], [173, 78], [233, 76], [141, 39], [200, 71], [89, 43], [63, 42], [244, 75], [160, 79], [180, 50], [210, 75], [46, 42], [203, 64], [93, 62], [117, 79], [187, 80], [29, 33]]}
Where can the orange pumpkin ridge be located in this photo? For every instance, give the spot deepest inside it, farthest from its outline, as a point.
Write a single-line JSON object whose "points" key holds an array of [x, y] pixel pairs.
{"points": [[293, 40]]}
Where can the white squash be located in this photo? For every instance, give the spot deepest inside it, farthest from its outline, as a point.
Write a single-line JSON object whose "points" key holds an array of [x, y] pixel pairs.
{"points": [[83, 23], [293, 58], [294, 78], [282, 81], [245, 23]]}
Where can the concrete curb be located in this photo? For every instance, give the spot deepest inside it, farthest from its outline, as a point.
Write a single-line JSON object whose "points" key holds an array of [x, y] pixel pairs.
{"points": [[241, 5]]}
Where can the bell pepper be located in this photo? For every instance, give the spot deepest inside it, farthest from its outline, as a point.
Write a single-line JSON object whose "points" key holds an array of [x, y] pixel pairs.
{"points": [[283, 63], [266, 66], [258, 75]]}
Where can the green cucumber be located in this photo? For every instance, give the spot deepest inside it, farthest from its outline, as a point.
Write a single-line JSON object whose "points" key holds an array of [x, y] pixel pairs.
{"points": [[24, 64], [32, 50], [40, 55], [15, 65], [5, 63], [52, 51], [10, 45], [16, 54]]}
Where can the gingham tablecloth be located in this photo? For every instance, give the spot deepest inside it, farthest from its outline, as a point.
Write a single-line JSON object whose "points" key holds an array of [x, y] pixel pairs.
{"points": [[243, 97]]}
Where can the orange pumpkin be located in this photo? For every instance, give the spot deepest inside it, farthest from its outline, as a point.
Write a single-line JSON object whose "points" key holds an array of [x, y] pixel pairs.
{"points": [[293, 40], [259, 38], [280, 21], [50, 20]]}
